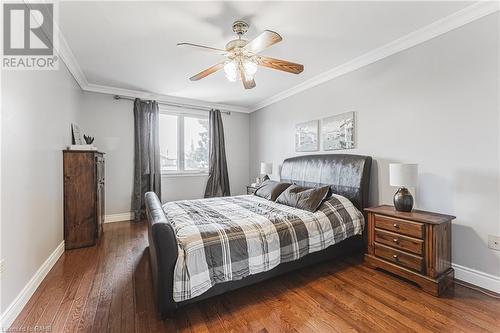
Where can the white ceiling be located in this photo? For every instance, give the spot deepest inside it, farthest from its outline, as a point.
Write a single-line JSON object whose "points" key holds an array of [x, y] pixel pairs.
{"points": [[132, 45]]}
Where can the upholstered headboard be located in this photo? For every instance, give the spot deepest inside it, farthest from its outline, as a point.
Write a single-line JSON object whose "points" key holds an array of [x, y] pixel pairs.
{"points": [[347, 175]]}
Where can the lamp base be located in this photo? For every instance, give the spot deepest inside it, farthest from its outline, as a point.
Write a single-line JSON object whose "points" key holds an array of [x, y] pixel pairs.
{"points": [[403, 200]]}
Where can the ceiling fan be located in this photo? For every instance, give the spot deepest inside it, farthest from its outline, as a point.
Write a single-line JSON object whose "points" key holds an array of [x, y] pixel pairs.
{"points": [[242, 58]]}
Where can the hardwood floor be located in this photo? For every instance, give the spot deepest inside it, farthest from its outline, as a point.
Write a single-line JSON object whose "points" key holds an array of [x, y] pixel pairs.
{"points": [[107, 288]]}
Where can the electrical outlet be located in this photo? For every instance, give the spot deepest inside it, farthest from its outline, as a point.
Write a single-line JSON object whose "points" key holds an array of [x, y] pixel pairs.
{"points": [[494, 242]]}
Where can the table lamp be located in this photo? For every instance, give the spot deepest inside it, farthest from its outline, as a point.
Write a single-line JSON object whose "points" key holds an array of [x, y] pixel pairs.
{"points": [[265, 170], [403, 176]]}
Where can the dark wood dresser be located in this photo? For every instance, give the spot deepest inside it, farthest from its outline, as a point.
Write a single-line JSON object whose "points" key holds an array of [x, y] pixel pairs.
{"points": [[83, 197], [414, 245]]}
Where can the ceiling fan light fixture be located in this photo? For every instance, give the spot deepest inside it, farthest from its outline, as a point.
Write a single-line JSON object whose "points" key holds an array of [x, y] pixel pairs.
{"points": [[231, 71], [250, 68]]}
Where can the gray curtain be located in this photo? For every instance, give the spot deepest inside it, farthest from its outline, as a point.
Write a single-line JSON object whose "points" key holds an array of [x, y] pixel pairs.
{"points": [[218, 180], [147, 173]]}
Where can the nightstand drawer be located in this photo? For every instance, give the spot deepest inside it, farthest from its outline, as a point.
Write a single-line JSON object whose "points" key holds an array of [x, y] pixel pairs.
{"points": [[399, 241], [399, 226], [400, 258]]}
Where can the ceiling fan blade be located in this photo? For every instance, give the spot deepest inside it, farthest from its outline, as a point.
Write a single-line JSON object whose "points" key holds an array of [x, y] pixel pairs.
{"points": [[203, 48], [248, 84], [207, 71], [263, 41], [281, 65]]}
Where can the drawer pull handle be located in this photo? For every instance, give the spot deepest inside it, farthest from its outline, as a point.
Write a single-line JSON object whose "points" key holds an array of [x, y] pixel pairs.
{"points": [[395, 240], [395, 256], [395, 225]]}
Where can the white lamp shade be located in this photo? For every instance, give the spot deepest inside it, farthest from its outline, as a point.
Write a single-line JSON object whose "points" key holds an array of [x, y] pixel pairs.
{"points": [[405, 175], [266, 168]]}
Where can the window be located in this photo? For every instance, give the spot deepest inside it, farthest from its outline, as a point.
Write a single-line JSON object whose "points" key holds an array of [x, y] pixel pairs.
{"points": [[183, 142]]}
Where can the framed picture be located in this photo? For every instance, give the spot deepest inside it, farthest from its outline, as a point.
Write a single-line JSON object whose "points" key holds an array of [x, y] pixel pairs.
{"points": [[338, 132], [77, 135], [306, 136]]}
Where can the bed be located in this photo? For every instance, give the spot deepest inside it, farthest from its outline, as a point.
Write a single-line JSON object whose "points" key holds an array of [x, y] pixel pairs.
{"points": [[348, 177]]}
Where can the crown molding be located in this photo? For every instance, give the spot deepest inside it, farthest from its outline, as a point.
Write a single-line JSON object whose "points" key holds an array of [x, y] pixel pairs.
{"points": [[61, 47], [161, 98], [66, 55], [69, 59], [435, 29]]}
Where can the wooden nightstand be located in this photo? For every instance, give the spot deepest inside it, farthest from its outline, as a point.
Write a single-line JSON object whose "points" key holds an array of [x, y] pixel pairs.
{"points": [[414, 245], [251, 189]]}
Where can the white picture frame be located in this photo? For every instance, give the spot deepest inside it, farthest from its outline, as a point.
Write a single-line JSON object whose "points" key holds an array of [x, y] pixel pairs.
{"points": [[306, 136], [77, 135], [338, 132]]}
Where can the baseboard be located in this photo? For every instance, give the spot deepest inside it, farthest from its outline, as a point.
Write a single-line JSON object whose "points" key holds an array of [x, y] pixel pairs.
{"points": [[15, 308], [118, 217], [477, 278]]}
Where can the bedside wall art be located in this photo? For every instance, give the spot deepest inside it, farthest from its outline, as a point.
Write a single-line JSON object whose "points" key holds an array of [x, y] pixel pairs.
{"points": [[306, 136], [338, 132]]}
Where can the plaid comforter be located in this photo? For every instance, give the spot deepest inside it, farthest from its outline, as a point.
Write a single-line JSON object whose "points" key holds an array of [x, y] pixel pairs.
{"points": [[229, 238]]}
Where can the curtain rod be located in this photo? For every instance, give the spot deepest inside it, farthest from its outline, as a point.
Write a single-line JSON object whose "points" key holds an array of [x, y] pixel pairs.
{"points": [[185, 106]]}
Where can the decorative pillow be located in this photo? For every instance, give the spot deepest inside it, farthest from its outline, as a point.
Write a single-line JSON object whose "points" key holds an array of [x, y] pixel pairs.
{"points": [[271, 189], [304, 197]]}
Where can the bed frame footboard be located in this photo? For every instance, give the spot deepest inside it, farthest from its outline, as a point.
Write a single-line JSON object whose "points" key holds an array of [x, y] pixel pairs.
{"points": [[162, 254]]}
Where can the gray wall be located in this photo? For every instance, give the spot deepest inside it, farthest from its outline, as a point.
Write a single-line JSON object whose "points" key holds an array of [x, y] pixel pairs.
{"points": [[111, 122], [37, 110], [435, 104]]}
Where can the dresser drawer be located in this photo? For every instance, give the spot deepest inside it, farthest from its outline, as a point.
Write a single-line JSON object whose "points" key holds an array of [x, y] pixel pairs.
{"points": [[400, 258], [399, 241], [399, 226]]}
